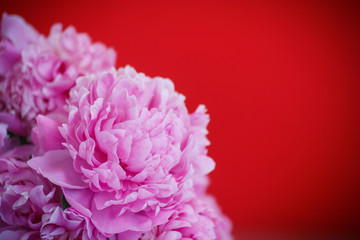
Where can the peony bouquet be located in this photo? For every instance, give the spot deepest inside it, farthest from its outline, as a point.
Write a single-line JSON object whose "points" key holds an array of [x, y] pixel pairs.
{"points": [[88, 151]]}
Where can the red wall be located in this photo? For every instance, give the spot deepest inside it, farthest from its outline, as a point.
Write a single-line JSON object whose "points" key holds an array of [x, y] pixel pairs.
{"points": [[281, 81]]}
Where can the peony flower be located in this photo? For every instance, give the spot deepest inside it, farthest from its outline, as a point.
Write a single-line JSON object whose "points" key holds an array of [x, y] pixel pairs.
{"points": [[128, 152], [23, 195], [30, 207], [36, 72], [68, 225], [199, 219]]}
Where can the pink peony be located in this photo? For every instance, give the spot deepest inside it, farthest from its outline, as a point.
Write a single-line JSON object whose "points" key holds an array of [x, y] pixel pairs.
{"points": [[24, 193], [36, 72], [198, 219], [128, 152], [30, 206], [29, 213], [68, 225]]}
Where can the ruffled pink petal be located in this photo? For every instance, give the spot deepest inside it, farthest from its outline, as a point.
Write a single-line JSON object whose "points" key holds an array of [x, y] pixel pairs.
{"points": [[47, 135], [80, 199], [109, 221], [16, 30], [57, 166]]}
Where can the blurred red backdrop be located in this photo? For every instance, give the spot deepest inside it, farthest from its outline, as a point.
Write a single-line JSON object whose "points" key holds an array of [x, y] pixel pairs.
{"points": [[281, 81]]}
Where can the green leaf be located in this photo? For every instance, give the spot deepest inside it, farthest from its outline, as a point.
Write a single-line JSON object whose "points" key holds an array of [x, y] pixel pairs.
{"points": [[64, 203], [22, 140]]}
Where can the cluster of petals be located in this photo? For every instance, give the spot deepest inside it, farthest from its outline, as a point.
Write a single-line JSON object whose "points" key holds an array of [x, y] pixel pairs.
{"points": [[199, 219], [23, 194], [36, 72], [128, 152], [88, 151], [68, 224], [30, 205]]}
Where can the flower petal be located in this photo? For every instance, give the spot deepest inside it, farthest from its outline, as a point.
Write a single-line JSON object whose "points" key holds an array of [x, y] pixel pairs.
{"points": [[79, 199], [109, 221], [57, 166], [47, 135], [15, 29]]}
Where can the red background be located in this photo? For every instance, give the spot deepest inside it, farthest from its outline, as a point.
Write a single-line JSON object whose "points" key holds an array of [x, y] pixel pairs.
{"points": [[281, 82]]}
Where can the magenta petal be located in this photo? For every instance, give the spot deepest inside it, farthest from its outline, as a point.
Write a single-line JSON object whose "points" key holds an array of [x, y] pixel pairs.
{"points": [[8, 56], [170, 235], [15, 233], [129, 235], [109, 222], [22, 152], [15, 29], [79, 199], [57, 166], [47, 135], [13, 122], [161, 217]]}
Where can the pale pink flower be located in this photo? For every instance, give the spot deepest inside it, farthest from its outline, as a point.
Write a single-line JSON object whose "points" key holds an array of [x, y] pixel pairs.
{"points": [[36, 72], [131, 150]]}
